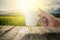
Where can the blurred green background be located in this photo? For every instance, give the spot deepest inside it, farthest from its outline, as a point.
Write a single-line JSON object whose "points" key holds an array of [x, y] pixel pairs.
{"points": [[13, 20]]}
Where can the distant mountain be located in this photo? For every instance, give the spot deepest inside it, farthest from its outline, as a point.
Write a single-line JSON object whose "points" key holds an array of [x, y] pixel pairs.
{"points": [[2, 13], [16, 13]]}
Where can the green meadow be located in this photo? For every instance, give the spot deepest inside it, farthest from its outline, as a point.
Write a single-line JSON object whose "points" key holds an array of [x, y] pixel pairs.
{"points": [[12, 20]]}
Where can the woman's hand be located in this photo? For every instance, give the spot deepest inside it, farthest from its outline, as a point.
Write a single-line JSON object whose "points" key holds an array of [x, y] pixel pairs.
{"points": [[47, 20]]}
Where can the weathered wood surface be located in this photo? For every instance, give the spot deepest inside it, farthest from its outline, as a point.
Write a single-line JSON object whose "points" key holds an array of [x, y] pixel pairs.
{"points": [[30, 33], [5, 29]]}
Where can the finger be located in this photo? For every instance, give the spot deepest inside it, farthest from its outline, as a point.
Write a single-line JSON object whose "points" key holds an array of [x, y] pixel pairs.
{"points": [[39, 13], [44, 13]]}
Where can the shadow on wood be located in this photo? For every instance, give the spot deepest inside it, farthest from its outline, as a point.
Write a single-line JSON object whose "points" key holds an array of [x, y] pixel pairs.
{"points": [[33, 36], [52, 36]]}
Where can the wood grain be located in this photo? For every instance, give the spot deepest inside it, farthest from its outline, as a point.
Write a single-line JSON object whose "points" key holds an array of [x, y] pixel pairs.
{"points": [[31, 33]]}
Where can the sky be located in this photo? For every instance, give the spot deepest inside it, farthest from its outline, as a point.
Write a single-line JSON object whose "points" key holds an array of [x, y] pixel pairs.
{"points": [[9, 5], [18, 5]]}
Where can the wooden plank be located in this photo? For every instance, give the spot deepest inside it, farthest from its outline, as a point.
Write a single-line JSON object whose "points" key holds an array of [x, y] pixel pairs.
{"points": [[29, 33], [11, 34], [5, 29], [54, 34], [1, 27], [48, 33], [22, 32], [38, 33], [32, 33], [53, 29]]}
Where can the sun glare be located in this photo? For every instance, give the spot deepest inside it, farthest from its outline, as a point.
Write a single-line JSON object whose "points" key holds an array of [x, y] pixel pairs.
{"points": [[25, 5], [33, 5], [30, 7]]}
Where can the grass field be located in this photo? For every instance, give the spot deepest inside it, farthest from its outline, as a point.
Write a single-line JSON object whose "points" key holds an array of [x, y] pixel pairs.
{"points": [[12, 20]]}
